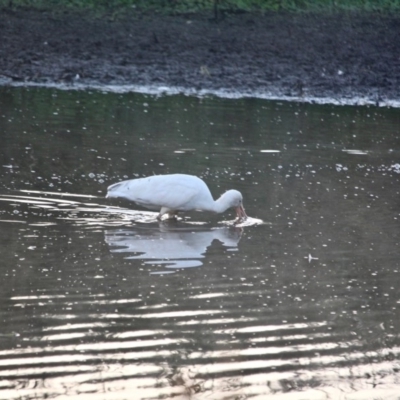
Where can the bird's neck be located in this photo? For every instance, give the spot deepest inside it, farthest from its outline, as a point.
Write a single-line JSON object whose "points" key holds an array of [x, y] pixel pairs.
{"points": [[220, 205]]}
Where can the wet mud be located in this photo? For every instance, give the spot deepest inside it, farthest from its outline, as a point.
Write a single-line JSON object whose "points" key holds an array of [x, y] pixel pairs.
{"points": [[340, 55]]}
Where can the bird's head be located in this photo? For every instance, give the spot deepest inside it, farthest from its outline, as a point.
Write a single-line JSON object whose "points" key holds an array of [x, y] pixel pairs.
{"points": [[234, 199]]}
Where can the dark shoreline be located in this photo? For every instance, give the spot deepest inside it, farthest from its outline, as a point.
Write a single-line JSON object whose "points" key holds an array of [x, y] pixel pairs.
{"points": [[338, 56]]}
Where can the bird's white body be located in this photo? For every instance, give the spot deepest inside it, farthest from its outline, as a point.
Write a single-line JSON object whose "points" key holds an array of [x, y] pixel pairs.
{"points": [[173, 193]]}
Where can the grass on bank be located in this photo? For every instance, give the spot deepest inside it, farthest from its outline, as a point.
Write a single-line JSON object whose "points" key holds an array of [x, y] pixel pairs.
{"points": [[190, 6]]}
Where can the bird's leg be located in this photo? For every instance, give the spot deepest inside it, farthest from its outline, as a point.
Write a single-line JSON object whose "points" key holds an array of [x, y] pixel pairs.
{"points": [[171, 214], [164, 210]]}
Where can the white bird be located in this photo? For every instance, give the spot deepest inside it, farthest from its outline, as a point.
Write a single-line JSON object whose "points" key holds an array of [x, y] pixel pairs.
{"points": [[173, 193]]}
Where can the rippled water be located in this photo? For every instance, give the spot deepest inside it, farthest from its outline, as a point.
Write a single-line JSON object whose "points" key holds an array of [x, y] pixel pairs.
{"points": [[100, 301]]}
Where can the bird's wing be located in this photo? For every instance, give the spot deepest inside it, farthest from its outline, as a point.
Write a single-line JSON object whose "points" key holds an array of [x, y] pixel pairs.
{"points": [[174, 193]]}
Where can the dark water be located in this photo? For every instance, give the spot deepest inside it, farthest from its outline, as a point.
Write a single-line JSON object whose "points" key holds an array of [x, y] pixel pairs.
{"points": [[99, 301]]}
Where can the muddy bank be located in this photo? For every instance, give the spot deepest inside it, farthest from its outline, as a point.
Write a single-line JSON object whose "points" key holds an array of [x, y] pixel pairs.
{"points": [[338, 56]]}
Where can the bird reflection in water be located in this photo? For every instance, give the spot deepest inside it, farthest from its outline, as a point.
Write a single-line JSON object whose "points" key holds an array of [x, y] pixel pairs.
{"points": [[171, 245]]}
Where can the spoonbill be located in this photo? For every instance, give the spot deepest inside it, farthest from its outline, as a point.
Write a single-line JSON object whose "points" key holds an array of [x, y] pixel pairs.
{"points": [[177, 192]]}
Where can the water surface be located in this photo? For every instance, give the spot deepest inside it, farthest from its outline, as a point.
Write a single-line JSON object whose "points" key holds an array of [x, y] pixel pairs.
{"points": [[100, 301]]}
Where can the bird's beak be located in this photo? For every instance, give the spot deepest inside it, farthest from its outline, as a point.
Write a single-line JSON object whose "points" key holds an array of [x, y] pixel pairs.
{"points": [[240, 213]]}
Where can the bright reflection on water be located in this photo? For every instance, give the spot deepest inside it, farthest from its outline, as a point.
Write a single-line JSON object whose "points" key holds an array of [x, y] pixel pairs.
{"points": [[100, 301]]}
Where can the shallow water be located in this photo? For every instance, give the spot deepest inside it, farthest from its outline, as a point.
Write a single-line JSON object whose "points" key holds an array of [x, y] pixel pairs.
{"points": [[100, 301]]}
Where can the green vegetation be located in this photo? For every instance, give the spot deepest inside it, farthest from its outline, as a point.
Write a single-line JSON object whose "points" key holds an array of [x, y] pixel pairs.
{"points": [[223, 6]]}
